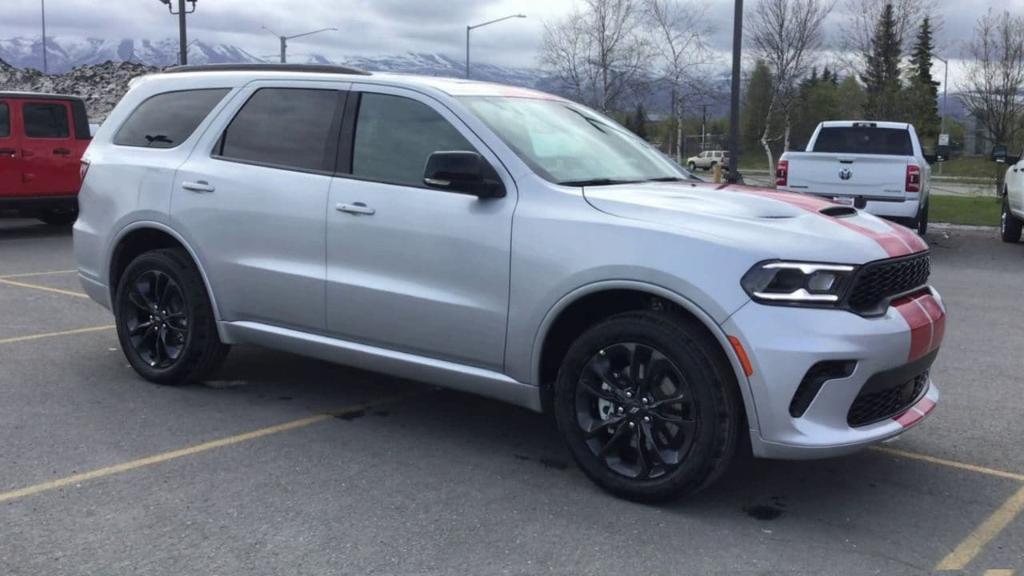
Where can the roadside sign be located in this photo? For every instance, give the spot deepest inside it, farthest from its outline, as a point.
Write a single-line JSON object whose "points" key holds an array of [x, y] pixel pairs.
{"points": [[943, 139]]}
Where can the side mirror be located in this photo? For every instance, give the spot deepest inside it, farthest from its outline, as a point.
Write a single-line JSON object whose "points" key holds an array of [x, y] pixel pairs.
{"points": [[999, 153], [464, 173]]}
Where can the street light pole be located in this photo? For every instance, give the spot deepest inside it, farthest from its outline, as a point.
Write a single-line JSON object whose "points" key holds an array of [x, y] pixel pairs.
{"points": [[284, 39], [734, 100], [481, 25], [945, 110], [182, 32], [42, 7]]}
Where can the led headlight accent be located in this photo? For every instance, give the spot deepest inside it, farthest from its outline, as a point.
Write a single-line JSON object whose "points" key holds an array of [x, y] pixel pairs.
{"points": [[797, 282]]}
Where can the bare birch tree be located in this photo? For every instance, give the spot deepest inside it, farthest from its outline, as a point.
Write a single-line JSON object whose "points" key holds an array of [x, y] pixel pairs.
{"points": [[861, 18], [679, 30], [993, 85], [787, 36], [599, 51]]}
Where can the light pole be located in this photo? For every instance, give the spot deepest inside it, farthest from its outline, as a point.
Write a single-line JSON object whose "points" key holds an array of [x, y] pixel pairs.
{"points": [[284, 39], [481, 25], [182, 35], [945, 85], [42, 8], [734, 100]]}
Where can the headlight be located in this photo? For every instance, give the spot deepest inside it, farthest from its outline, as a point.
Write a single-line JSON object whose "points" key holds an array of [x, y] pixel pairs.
{"points": [[800, 283]]}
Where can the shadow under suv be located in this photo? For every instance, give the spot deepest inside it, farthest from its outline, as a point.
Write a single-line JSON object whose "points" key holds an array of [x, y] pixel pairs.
{"points": [[508, 243]]}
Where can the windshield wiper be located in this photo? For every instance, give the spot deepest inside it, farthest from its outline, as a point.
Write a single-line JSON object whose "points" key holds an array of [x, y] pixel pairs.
{"points": [[667, 179], [596, 182]]}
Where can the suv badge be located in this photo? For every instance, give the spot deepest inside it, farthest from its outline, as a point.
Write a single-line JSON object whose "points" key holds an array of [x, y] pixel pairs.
{"points": [[845, 174]]}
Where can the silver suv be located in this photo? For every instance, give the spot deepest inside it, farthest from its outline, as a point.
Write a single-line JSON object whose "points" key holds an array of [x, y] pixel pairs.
{"points": [[508, 243]]}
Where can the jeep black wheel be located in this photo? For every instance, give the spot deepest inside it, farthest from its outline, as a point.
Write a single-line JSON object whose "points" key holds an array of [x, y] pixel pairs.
{"points": [[1009, 226], [647, 404], [164, 319]]}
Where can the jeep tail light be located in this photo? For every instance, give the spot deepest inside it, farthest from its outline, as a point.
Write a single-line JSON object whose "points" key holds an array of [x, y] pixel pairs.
{"points": [[83, 169], [782, 173], [913, 178]]}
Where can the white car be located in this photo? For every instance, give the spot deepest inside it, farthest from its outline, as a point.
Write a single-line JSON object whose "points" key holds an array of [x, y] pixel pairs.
{"points": [[877, 166], [1012, 220], [708, 159]]}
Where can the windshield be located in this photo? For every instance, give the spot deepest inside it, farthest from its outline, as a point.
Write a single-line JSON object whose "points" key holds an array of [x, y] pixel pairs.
{"points": [[572, 145]]}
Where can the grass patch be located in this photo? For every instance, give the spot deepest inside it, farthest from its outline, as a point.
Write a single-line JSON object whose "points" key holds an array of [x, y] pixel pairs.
{"points": [[970, 167], [972, 210]]}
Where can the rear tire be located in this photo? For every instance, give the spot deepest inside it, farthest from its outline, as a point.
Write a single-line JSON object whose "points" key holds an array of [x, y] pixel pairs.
{"points": [[922, 220], [1009, 226], [648, 406], [165, 322]]}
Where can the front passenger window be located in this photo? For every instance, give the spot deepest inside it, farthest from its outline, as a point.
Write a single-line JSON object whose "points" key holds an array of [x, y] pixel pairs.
{"points": [[396, 135]]}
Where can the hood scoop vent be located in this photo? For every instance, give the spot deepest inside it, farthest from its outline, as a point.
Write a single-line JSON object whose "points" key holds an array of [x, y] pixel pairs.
{"points": [[838, 211]]}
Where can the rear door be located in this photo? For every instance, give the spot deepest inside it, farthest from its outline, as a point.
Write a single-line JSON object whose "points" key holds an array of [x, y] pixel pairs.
{"points": [[251, 200], [48, 149], [10, 145]]}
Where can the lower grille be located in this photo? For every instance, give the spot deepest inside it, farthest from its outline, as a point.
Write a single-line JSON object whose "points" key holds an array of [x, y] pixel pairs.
{"points": [[877, 405]]}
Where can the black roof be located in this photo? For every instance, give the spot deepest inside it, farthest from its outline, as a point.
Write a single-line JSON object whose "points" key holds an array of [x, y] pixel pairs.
{"points": [[39, 96], [317, 68]]}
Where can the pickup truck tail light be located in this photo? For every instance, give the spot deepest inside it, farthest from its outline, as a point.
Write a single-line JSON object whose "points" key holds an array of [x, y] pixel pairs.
{"points": [[782, 173], [83, 169], [913, 178]]}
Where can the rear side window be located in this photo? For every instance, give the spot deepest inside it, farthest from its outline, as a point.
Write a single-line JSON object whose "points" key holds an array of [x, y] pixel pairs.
{"points": [[5, 120], [284, 127], [864, 140], [45, 120], [396, 135], [166, 120]]}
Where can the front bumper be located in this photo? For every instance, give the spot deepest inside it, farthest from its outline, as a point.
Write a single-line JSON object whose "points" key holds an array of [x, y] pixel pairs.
{"points": [[783, 343]]}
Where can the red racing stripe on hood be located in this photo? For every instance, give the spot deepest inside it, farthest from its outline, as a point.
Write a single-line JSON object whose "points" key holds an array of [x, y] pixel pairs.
{"points": [[896, 240]]}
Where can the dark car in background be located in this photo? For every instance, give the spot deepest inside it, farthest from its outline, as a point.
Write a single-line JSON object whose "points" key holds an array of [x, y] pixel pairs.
{"points": [[42, 139]]}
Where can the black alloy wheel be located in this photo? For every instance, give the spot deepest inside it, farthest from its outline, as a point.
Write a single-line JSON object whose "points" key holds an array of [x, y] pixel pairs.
{"points": [[158, 319], [635, 408]]}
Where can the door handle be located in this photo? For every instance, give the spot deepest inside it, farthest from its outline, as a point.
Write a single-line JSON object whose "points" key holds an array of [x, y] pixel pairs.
{"points": [[61, 152], [358, 208], [200, 186], [8, 152]]}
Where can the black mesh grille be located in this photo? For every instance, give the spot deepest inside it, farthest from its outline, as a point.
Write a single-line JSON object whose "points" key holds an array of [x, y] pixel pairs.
{"points": [[875, 406], [878, 281]]}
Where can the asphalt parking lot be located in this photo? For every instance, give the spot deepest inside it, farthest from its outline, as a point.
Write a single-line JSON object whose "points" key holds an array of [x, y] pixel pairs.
{"points": [[283, 465]]}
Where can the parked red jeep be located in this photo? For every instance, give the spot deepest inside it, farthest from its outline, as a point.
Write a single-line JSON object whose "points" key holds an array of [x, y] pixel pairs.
{"points": [[42, 138]]}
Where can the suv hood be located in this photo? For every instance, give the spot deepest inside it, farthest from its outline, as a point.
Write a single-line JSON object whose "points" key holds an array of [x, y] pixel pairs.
{"points": [[779, 224]]}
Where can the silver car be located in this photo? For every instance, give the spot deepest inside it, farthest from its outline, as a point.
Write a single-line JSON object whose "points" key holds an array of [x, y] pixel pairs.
{"points": [[507, 243]]}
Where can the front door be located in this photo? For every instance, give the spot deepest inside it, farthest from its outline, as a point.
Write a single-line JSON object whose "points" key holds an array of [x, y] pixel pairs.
{"points": [[250, 200], [50, 164], [411, 268], [10, 146]]}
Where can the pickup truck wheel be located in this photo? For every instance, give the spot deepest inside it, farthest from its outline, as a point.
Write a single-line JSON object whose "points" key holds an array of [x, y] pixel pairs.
{"points": [[648, 407], [59, 217], [1009, 226], [922, 220], [164, 319]]}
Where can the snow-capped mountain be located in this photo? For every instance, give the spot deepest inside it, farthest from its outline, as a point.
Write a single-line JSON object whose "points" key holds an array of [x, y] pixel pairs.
{"points": [[63, 54]]}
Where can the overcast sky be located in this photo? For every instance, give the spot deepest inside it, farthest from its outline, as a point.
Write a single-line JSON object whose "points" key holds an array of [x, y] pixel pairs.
{"points": [[376, 27]]}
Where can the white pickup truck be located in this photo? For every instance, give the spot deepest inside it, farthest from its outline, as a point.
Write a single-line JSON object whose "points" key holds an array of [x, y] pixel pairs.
{"points": [[877, 166]]}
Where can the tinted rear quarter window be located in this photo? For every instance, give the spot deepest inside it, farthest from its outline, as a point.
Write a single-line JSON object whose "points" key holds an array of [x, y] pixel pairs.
{"points": [[45, 120], [395, 136], [166, 120], [864, 140], [5, 120], [284, 127]]}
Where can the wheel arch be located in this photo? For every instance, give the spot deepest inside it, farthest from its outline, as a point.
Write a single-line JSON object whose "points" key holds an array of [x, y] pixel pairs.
{"points": [[549, 346], [143, 236]]}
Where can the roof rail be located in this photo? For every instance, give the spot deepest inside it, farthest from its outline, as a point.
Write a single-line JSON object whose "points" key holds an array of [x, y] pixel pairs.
{"points": [[317, 68]]}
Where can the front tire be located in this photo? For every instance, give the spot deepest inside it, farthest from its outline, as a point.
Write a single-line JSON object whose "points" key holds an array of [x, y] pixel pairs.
{"points": [[647, 404], [165, 322], [1009, 226], [693, 166]]}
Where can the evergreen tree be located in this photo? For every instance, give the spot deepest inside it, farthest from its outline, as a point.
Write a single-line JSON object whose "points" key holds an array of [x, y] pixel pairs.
{"points": [[755, 107], [851, 98], [921, 99], [882, 75], [639, 126]]}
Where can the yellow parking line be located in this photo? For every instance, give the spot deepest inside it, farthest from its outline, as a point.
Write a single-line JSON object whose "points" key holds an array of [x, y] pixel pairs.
{"points": [[999, 572], [960, 557], [950, 463], [52, 334], [46, 288], [189, 451], [31, 274]]}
